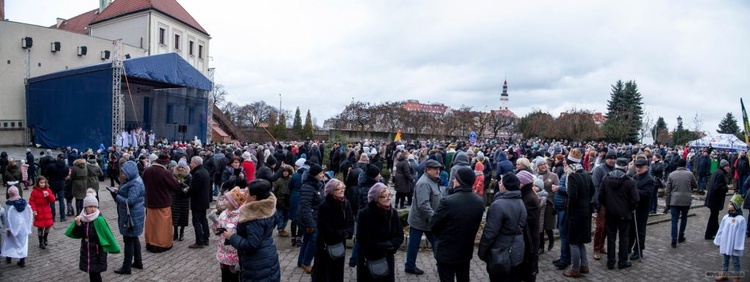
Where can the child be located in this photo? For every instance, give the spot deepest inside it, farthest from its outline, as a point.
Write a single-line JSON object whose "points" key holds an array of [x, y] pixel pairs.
{"points": [[478, 186], [40, 200], [18, 220], [228, 219], [542, 194], [96, 238], [731, 239], [281, 190]]}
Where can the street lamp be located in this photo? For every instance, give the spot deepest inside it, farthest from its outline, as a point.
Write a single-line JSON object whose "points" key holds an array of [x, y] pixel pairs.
{"points": [[679, 124]]}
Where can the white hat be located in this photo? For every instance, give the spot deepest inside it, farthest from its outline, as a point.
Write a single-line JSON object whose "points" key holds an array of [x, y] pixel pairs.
{"points": [[300, 162]]}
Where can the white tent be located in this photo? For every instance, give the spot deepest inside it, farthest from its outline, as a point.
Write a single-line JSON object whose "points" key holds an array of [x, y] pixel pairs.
{"points": [[720, 141]]}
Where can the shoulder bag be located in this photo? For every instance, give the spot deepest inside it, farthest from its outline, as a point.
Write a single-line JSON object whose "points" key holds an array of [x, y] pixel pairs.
{"points": [[129, 225], [336, 251]]}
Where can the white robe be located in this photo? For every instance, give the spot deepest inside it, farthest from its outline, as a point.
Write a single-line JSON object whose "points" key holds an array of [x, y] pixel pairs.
{"points": [[731, 236], [125, 139], [19, 224]]}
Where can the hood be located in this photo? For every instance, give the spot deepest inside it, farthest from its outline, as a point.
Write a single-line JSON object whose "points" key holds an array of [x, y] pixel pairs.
{"points": [[81, 163], [501, 156], [20, 204], [508, 195], [461, 159], [258, 209], [130, 169]]}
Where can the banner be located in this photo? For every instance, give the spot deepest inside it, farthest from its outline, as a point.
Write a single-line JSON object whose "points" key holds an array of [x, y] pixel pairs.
{"points": [[745, 122]]}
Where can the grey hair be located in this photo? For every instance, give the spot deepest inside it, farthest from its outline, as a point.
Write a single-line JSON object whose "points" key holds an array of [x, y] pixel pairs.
{"points": [[197, 160]]}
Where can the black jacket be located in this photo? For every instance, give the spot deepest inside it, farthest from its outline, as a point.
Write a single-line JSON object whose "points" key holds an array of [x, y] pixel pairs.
{"points": [[265, 172], [455, 223], [580, 192], [717, 191], [200, 189], [335, 225], [645, 184], [311, 196], [618, 194], [380, 234]]}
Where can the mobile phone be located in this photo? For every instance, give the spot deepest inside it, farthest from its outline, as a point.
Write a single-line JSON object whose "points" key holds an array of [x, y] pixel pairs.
{"points": [[110, 189], [220, 230]]}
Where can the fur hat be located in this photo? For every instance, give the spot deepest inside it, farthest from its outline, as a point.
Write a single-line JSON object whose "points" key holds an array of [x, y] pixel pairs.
{"points": [[315, 169], [372, 171], [525, 177], [331, 185], [375, 191], [465, 176], [510, 182], [235, 197], [90, 199], [575, 155]]}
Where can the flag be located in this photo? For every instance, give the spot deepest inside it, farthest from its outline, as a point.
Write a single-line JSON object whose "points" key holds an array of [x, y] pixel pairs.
{"points": [[398, 136], [745, 121]]}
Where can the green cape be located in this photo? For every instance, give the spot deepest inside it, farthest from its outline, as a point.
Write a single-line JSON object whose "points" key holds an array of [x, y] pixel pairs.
{"points": [[106, 239]]}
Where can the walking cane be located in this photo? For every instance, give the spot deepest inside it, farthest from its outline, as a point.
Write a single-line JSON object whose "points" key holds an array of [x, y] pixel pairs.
{"points": [[637, 241]]}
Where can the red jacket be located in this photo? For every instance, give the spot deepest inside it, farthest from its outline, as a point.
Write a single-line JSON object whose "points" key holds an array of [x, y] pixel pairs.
{"points": [[40, 205], [249, 168]]}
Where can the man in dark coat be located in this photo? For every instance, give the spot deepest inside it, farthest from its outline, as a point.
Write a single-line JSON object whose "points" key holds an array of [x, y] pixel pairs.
{"points": [[657, 171], [32, 166], [743, 170], [703, 168], [199, 192], [455, 224], [44, 161], [645, 185], [56, 172], [266, 171], [220, 164], [619, 196], [717, 192]]}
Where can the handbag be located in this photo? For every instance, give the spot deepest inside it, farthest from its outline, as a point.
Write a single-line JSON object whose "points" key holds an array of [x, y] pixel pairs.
{"points": [[500, 260], [336, 251], [378, 268], [129, 225]]}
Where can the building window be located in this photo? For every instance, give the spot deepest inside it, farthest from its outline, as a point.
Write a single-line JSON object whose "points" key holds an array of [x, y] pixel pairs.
{"points": [[162, 35], [190, 48], [200, 51], [177, 41]]}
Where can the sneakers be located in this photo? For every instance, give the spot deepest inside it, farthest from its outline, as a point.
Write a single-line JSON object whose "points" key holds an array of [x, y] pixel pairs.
{"points": [[414, 270]]}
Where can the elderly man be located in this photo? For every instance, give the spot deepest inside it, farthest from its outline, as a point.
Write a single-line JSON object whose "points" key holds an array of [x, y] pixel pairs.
{"points": [[678, 197], [200, 198], [645, 185], [425, 201], [715, 198], [620, 197], [159, 182]]}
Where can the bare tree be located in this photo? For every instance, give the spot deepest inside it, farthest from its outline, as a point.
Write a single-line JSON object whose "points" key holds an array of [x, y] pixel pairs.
{"points": [[500, 122], [647, 125], [697, 122], [255, 113], [218, 95], [230, 110]]}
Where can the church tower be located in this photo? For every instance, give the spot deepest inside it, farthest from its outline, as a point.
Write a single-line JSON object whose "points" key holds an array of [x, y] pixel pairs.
{"points": [[504, 97]]}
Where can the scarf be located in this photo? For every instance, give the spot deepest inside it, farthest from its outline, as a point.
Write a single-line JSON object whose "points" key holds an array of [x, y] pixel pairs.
{"points": [[19, 204], [386, 208], [89, 217]]}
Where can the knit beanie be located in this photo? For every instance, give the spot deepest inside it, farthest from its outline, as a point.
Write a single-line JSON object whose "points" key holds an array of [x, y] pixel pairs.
{"points": [[621, 163], [90, 199], [465, 176], [510, 182], [300, 162], [247, 156], [372, 171], [13, 193], [479, 167], [525, 177], [183, 163], [575, 155], [331, 185], [539, 183], [271, 161], [315, 169], [375, 191]]}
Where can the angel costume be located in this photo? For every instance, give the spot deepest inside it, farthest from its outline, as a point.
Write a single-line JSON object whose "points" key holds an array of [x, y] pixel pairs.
{"points": [[18, 221]]}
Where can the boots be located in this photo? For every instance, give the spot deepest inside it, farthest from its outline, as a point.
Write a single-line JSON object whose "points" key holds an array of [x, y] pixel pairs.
{"points": [[551, 243], [294, 241], [41, 242], [22, 262], [182, 234], [70, 209], [174, 233], [45, 239]]}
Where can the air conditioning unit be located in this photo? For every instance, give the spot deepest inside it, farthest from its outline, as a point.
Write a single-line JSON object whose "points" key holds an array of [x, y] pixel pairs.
{"points": [[105, 55], [55, 46], [26, 42], [82, 50]]}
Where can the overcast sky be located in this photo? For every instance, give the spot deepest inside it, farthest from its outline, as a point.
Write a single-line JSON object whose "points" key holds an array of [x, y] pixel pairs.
{"points": [[687, 57]]}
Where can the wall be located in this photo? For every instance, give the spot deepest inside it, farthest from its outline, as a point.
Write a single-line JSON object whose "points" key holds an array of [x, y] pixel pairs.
{"points": [[131, 28], [258, 134]]}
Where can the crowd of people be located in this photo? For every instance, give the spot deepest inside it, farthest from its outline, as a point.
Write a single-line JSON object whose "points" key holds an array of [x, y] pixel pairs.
{"points": [[330, 193]]}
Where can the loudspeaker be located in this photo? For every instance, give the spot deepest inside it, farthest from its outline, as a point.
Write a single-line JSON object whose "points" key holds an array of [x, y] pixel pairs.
{"points": [[182, 129], [82, 50], [127, 56], [26, 42], [105, 55], [55, 46]]}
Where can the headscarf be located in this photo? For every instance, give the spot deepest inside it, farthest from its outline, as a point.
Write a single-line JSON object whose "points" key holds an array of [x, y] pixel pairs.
{"points": [[15, 200]]}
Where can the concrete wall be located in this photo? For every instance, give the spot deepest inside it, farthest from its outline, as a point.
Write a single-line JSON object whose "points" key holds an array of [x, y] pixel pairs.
{"points": [[257, 134], [42, 61], [133, 29]]}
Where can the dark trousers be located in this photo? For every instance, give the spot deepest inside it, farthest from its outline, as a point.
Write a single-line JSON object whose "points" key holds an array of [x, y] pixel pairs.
{"points": [[640, 220], [79, 207], [200, 224], [681, 214], [113, 180], [453, 271], [60, 198], [654, 197], [713, 224], [511, 276], [132, 252], [617, 226], [227, 275], [400, 198], [95, 276]]}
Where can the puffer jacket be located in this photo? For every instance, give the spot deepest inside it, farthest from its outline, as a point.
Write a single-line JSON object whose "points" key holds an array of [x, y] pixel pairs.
{"points": [[403, 177], [259, 259], [364, 189], [618, 194], [40, 204], [503, 165], [504, 225], [94, 171], [311, 196], [131, 195]]}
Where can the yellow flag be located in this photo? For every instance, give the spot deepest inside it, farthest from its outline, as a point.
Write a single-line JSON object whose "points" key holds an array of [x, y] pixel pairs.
{"points": [[398, 136]]}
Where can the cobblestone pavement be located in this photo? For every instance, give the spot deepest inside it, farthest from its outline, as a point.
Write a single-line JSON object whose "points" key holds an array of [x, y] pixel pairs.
{"points": [[688, 262]]}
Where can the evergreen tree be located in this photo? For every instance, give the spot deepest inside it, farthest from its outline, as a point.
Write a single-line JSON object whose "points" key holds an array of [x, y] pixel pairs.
{"points": [[308, 131], [660, 132], [729, 125], [624, 113], [297, 124], [281, 127]]}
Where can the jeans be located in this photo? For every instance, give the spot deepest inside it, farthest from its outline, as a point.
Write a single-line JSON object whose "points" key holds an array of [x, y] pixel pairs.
{"points": [[415, 238], [617, 226], [735, 263], [741, 184], [702, 180], [282, 217], [449, 272], [59, 197], [578, 256], [200, 224], [307, 250], [562, 226], [682, 214], [216, 190], [132, 252]]}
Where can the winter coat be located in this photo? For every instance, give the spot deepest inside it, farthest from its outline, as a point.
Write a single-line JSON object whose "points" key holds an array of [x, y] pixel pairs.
{"points": [[200, 189], [618, 194], [265, 172], [80, 177], [335, 225], [380, 234], [680, 184], [645, 185], [159, 183], [220, 163], [281, 190], [40, 204], [506, 219], [703, 165], [461, 160], [30, 161], [550, 218], [364, 189], [226, 254], [597, 175], [503, 165], [12, 173], [181, 201], [580, 190], [530, 267], [424, 202], [94, 172], [131, 194], [717, 191], [455, 224], [657, 169], [259, 260], [249, 168], [311, 196], [93, 252], [295, 185], [402, 177], [314, 156], [352, 189], [230, 171], [56, 172]]}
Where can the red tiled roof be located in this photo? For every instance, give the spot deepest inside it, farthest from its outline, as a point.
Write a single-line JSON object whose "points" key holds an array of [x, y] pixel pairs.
{"points": [[78, 24], [505, 113], [168, 7]]}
